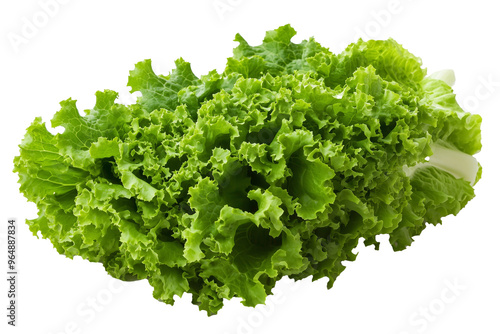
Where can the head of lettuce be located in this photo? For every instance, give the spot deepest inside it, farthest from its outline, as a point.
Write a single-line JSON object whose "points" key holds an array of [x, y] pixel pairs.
{"points": [[222, 184]]}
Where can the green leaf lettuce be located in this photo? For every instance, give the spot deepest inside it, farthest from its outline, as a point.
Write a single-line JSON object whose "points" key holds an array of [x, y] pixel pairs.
{"points": [[221, 185]]}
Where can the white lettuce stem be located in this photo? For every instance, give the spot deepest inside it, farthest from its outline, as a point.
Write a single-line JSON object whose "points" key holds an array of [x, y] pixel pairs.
{"points": [[447, 76], [459, 164]]}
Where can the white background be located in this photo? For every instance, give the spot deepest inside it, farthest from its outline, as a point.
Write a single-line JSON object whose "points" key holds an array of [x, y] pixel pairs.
{"points": [[85, 46]]}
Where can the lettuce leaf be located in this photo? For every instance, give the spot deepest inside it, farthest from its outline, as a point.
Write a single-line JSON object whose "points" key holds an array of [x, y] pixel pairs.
{"points": [[220, 185]]}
